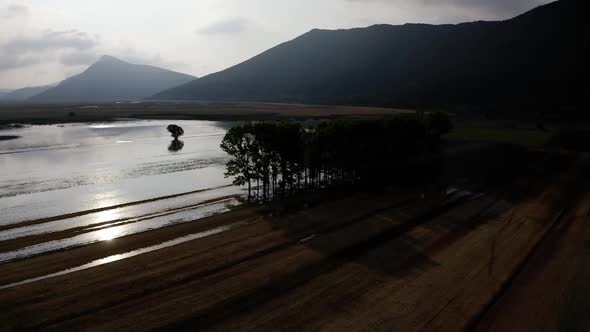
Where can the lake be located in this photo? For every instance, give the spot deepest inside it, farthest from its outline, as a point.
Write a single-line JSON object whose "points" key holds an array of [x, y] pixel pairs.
{"points": [[86, 176]]}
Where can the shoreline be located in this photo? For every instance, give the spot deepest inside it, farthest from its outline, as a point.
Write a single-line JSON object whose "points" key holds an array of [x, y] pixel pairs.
{"points": [[54, 114]]}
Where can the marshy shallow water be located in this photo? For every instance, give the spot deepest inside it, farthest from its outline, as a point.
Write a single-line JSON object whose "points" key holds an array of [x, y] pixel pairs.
{"points": [[105, 180]]}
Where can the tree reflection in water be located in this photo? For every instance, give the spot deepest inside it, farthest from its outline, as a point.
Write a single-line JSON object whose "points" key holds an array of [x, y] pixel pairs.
{"points": [[176, 145]]}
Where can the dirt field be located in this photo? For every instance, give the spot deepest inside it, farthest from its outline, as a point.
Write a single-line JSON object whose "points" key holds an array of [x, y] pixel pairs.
{"points": [[49, 114], [514, 257]]}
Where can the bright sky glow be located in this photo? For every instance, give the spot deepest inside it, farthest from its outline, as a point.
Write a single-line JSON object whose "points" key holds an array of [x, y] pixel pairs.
{"points": [[46, 41]]}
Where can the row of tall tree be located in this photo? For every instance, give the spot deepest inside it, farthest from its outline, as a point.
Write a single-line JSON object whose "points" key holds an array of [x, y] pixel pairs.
{"points": [[277, 159]]}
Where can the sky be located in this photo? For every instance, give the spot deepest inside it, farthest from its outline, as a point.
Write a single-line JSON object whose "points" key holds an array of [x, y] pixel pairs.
{"points": [[45, 41]]}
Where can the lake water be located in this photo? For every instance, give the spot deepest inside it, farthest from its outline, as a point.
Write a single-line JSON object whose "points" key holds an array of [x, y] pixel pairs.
{"points": [[86, 175]]}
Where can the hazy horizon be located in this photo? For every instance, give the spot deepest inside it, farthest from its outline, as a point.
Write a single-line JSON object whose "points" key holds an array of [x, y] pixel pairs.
{"points": [[50, 42]]}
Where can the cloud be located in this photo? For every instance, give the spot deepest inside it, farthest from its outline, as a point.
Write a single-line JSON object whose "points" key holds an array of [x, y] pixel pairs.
{"points": [[514, 7], [133, 56], [29, 50], [13, 11], [78, 58], [484, 8], [226, 27], [12, 62], [51, 40]]}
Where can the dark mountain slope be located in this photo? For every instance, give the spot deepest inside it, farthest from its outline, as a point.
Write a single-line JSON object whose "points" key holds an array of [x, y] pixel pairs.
{"points": [[111, 79], [531, 59]]}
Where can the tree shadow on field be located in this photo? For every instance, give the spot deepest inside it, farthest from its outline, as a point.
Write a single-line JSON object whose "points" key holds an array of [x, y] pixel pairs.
{"points": [[395, 232], [507, 175]]}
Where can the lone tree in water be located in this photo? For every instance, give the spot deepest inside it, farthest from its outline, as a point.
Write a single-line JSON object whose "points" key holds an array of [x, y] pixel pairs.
{"points": [[175, 131]]}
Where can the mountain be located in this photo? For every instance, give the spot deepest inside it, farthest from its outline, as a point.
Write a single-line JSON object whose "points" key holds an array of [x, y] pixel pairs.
{"points": [[25, 93], [4, 92], [535, 58], [111, 79]]}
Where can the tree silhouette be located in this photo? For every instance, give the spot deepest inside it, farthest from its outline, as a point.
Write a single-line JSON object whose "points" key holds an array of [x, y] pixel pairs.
{"points": [[239, 143], [286, 157], [175, 131], [437, 124]]}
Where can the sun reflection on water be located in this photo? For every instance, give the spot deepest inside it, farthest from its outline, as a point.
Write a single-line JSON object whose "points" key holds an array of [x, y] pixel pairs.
{"points": [[108, 234], [109, 259], [106, 217], [102, 126], [107, 202]]}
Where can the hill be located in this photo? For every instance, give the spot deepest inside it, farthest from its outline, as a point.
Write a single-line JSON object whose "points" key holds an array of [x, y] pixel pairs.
{"points": [[535, 58], [111, 79], [24, 93]]}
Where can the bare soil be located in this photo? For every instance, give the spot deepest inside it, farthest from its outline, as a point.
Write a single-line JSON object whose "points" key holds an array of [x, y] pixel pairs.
{"points": [[512, 257]]}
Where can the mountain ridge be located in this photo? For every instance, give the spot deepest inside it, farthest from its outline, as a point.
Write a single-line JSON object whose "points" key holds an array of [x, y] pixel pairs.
{"points": [[112, 79], [483, 62]]}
